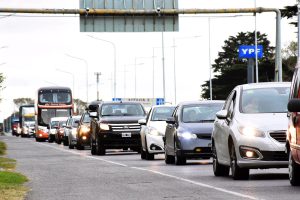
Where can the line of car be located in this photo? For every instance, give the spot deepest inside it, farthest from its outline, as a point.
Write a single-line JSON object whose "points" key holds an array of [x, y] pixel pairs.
{"points": [[247, 131]]}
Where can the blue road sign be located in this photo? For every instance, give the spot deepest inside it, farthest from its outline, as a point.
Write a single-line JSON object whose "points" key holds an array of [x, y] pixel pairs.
{"points": [[160, 101], [248, 51], [117, 99]]}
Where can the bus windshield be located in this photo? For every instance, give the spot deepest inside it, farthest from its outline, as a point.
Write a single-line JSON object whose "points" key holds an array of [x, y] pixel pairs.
{"points": [[55, 96], [44, 115]]}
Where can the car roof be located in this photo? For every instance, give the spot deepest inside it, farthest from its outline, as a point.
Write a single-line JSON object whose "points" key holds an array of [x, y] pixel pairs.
{"points": [[120, 102], [265, 85], [164, 106], [200, 102]]}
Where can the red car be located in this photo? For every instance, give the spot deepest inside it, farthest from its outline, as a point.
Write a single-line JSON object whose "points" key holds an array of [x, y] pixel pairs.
{"points": [[293, 132]]}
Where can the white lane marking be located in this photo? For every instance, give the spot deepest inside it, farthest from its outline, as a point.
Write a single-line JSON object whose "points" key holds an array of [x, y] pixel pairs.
{"points": [[155, 172], [81, 154], [197, 183]]}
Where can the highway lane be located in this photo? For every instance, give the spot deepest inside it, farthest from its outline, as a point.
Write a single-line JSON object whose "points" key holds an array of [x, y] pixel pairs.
{"points": [[55, 172]]}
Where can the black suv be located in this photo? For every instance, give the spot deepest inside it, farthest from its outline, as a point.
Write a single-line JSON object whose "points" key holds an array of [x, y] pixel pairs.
{"points": [[115, 125]]}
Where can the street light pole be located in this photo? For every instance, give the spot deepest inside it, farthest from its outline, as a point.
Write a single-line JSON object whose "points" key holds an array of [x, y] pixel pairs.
{"points": [[98, 74], [87, 71], [115, 60], [72, 74]]}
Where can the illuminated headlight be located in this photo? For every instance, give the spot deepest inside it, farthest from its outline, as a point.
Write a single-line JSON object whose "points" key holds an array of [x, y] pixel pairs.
{"points": [[25, 129], [104, 126], [187, 135], [40, 135], [84, 137], [251, 132], [15, 128], [85, 129], [74, 132], [155, 132]]}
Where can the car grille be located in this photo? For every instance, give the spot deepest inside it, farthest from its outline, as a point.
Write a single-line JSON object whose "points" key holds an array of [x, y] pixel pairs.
{"points": [[125, 127], [274, 156], [204, 136], [279, 136]]}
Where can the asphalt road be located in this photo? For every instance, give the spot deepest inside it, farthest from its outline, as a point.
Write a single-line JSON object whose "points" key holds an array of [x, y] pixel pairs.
{"points": [[55, 172]]}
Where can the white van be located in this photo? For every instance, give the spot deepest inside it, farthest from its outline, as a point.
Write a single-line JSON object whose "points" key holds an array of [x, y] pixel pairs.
{"points": [[54, 121]]}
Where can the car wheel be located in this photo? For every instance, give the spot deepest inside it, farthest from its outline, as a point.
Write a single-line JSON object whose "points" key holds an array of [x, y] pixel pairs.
{"points": [[93, 148], [179, 160], [237, 172], [50, 138], [168, 159], [219, 170], [143, 154], [79, 146], [37, 139], [294, 171], [58, 141], [100, 150], [149, 156], [66, 141]]}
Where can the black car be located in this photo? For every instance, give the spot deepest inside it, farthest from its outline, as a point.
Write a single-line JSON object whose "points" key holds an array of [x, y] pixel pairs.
{"points": [[188, 131], [114, 125]]}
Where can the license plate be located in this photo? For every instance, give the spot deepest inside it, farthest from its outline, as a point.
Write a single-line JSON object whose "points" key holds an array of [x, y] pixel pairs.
{"points": [[126, 134]]}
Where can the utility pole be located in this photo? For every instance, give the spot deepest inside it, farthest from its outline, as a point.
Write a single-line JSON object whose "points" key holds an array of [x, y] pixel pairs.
{"points": [[97, 80]]}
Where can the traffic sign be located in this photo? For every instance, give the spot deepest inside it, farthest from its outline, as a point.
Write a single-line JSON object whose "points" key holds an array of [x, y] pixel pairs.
{"points": [[248, 51]]}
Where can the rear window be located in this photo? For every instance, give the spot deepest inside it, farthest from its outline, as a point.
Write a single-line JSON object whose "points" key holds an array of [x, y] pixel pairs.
{"points": [[205, 112], [162, 113]]}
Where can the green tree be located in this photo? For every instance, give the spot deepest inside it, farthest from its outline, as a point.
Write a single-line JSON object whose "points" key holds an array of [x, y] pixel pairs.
{"points": [[231, 71], [290, 12], [289, 60], [2, 78], [22, 101], [79, 106]]}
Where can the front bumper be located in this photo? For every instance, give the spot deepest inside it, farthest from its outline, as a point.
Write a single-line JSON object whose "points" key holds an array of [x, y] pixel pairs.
{"points": [[194, 148], [111, 139], [155, 144]]}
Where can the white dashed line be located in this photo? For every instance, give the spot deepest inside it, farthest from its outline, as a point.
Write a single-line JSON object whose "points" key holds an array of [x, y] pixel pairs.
{"points": [[155, 172]]}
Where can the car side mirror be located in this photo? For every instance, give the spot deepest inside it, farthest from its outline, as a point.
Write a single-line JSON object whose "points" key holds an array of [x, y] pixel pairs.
{"points": [[294, 105], [93, 107], [171, 120], [142, 121], [222, 114], [93, 114]]}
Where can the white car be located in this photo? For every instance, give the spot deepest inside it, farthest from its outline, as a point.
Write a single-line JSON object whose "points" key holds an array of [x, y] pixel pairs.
{"points": [[250, 131], [54, 122], [153, 130]]}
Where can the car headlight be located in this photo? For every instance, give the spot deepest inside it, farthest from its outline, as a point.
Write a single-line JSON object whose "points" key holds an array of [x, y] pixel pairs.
{"points": [[73, 132], [104, 126], [251, 131], [187, 135], [85, 129]]}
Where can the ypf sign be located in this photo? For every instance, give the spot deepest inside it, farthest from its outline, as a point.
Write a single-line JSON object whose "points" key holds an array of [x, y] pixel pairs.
{"points": [[248, 51]]}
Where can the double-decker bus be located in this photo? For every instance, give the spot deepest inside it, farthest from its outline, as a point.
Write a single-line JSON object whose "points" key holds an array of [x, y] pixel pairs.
{"points": [[51, 102]]}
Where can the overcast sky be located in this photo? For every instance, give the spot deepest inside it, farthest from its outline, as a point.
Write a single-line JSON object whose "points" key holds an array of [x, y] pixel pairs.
{"points": [[33, 47]]}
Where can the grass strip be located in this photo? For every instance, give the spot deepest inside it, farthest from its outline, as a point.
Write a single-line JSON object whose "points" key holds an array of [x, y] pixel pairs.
{"points": [[11, 183], [2, 148]]}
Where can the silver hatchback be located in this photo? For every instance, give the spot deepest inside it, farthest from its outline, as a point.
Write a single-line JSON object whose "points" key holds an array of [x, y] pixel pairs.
{"points": [[250, 131]]}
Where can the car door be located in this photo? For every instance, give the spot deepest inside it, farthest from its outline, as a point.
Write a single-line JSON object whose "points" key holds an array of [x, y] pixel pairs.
{"points": [[144, 129], [224, 126], [171, 129]]}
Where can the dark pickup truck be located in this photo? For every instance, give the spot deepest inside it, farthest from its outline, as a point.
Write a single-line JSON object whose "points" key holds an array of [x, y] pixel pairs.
{"points": [[114, 125]]}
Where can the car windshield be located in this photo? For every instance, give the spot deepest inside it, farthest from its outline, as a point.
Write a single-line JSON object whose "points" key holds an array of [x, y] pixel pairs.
{"points": [[265, 100], [86, 118], [54, 123], [205, 112], [162, 113], [122, 109]]}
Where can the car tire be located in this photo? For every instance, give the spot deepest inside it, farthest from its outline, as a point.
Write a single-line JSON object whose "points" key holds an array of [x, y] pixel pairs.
{"points": [[219, 170], [179, 160], [79, 146], [93, 148], [149, 156], [100, 150], [294, 171], [50, 138], [237, 172], [143, 154], [168, 159], [37, 139], [66, 141]]}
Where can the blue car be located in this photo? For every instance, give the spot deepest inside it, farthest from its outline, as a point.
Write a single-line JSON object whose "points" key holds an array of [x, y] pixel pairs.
{"points": [[188, 131]]}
